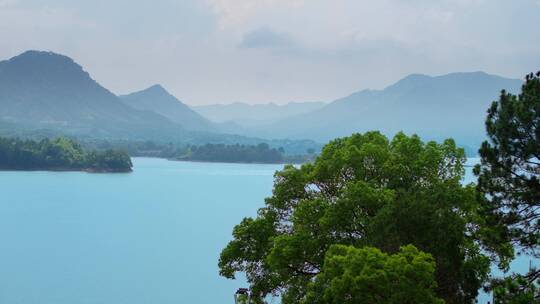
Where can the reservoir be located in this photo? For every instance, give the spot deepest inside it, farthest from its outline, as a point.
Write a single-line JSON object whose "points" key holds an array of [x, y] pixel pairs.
{"points": [[151, 236]]}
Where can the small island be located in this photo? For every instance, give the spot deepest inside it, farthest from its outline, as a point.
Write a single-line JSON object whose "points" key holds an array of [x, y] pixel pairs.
{"points": [[60, 154]]}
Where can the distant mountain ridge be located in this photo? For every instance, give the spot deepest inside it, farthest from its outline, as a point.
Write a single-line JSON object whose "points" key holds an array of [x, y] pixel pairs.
{"points": [[248, 115], [45, 94], [46, 90], [452, 105], [48, 93], [157, 99]]}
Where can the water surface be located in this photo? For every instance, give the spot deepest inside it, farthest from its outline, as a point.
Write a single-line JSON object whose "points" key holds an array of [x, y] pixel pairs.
{"points": [[151, 236]]}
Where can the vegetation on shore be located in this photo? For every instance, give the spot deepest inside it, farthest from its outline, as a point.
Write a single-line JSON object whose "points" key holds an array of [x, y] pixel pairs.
{"points": [[229, 153], [60, 154], [374, 220], [261, 153], [363, 191]]}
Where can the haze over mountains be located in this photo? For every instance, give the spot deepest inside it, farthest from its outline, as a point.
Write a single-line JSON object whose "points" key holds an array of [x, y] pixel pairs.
{"points": [[44, 91], [452, 105], [157, 99], [249, 115], [47, 94]]}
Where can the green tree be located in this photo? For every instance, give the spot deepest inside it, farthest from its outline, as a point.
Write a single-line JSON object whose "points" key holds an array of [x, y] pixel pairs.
{"points": [[516, 289], [369, 276], [234, 153], [509, 176], [109, 160], [59, 154], [242, 299], [510, 164], [363, 190], [62, 152]]}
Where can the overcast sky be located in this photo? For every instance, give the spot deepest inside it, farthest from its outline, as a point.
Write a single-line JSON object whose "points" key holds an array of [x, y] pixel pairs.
{"points": [[222, 51]]}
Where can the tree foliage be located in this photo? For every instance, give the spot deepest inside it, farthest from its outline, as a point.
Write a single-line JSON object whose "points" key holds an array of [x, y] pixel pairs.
{"points": [[510, 169], [363, 190], [59, 154], [517, 289], [509, 176], [369, 276], [261, 153]]}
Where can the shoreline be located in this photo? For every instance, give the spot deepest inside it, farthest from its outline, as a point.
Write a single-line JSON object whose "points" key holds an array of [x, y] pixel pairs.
{"points": [[225, 162], [86, 170]]}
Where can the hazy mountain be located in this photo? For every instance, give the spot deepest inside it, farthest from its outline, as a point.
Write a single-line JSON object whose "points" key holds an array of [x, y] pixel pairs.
{"points": [[47, 93], [43, 94], [157, 99], [452, 105], [248, 115], [44, 90]]}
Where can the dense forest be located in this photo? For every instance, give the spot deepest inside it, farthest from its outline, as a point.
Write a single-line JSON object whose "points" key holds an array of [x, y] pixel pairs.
{"points": [[261, 153], [59, 154], [235, 153], [380, 220]]}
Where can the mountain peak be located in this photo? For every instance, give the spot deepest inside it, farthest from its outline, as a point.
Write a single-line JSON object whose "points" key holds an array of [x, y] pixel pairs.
{"points": [[470, 76], [45, 67], [474, 73], [415, 76], [464, 78], [36, 56], [154, 91], [157, 88], [40, 53], [48, 90], [409, 81], [157, 99]]}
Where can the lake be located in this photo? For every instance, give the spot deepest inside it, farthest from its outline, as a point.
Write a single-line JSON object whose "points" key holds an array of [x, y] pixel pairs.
{"points": [[152, 236]]}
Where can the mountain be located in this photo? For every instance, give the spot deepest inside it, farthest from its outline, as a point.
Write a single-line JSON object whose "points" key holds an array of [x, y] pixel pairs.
{"points": [[47, 91], [248, 115], [452, 105], [44, 94], [157, 99], [48, 94]]}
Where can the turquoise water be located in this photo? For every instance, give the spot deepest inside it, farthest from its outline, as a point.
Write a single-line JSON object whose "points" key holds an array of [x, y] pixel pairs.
{"points": [[152, 236]]}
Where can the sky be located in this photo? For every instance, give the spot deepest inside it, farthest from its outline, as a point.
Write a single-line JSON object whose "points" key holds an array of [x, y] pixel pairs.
{"points": [[258, 51]]}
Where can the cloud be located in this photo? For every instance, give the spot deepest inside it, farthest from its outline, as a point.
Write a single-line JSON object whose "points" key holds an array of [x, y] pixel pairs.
{"points": [[307, 49], [265, 38], [7, 3], [233, 13]]}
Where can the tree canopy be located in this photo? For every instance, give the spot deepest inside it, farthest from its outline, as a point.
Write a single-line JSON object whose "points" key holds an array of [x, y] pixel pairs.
{"points": [[59, 154], [510, 168], [509, 177], [368, 276], [363, 190], [261, 153]]}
